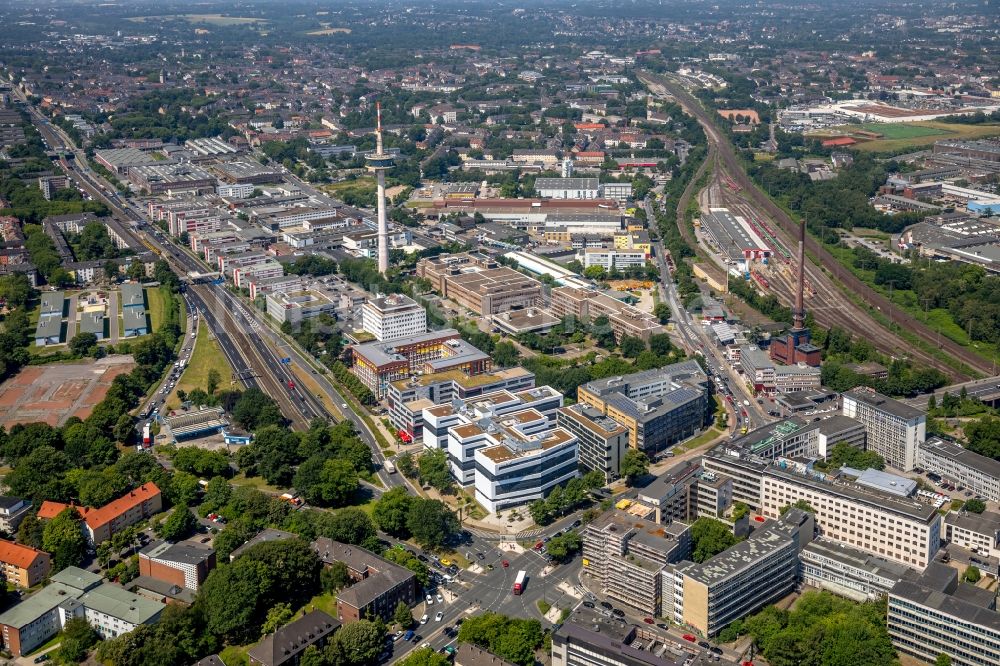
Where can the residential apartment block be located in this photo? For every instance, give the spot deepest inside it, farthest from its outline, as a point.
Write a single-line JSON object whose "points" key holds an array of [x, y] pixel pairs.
{"points": [[378, 584], [895, 430], [22, 565], [73, 592], [100, 524], [955, 463], [659, 407], [285, 646], [377, 364], [393, 317], [589, 638], [936, 614], [12, 512], [626, 555]]}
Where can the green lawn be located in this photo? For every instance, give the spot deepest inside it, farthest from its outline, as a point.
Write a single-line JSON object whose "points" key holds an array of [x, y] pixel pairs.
{"points": [[255, 482], [206, 356], [901, 130], [235, 655], [326, 602], [155, 299], [701, 439]]}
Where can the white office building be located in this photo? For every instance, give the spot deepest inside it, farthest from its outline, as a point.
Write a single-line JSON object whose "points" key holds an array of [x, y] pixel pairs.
{"points": [[608, 258], [894, 429], [523, 467], [567, 188], [392, 317], [899, 529], [951, 461]]}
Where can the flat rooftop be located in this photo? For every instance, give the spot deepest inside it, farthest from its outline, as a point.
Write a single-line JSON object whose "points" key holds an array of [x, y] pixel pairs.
{"points": [[885, 404]]}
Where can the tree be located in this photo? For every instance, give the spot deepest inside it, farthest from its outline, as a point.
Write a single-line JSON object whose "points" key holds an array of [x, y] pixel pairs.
{"points": [[179, 525], [213, 381], [335, 577], [433, 469], [562, 547], [709, 537], [510, 638], [662, 312], [634, 464], [404, 463], [431, 523], [942, 660], [277, 616], [975, 506], [660, 344], [505, 354], [256, 409], [631, 346], [360, 642], [29, 532], [63, 539], [800, 504], [348, 525], [82, 343], [75, 641], [391, 511], [402, 615], [337, 484], [972, 574], [124, 431]]}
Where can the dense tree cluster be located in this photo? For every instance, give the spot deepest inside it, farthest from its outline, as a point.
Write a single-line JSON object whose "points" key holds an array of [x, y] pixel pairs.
{"points": [[844, 455], [565, 498], [709, 537], [430, 522], [513, 639], [822, 630]]}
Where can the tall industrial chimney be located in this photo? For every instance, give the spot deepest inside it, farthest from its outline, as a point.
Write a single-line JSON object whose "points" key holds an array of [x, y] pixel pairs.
{"points": [[799, 313]]}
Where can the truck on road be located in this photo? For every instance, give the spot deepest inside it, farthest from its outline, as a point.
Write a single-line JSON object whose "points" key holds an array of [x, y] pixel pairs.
{"points": [[519, 582]]}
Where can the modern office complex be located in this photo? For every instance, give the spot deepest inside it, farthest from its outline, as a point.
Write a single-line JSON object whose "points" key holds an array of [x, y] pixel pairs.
{"points": [[658, 407], [951, 461], [408, 398], [523, 466], [936, 614], [979, 533], [895, 430], [586, 305], [900, 529], [294, 306], [377, 364], [589, 638], [602, 440], [478, 283], [625, 556], [755, 572], [392, 317]]}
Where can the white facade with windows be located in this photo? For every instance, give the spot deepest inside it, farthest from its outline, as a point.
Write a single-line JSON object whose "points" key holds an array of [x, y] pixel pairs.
{"points": [[393, 317], [895, 430], [951, 461], [523, 469], [899, 529], [567, 188], [608, 258]]}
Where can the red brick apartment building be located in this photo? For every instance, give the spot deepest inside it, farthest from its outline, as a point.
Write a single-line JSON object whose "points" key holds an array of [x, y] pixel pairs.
{"points": [[114, 516]]}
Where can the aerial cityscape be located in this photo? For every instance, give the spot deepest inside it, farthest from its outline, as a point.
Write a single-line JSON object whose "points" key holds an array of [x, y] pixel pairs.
{"points": [[578, 333]]}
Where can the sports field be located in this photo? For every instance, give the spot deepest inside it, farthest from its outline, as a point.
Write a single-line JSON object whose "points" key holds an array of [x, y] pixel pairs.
{"points": [[905, 136]]}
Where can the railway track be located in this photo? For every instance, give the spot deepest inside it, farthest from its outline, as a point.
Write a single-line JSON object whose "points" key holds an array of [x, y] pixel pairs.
{"points": [[830, 305]]}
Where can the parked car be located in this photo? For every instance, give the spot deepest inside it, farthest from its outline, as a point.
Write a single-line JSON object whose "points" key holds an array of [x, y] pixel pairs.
{"points": [[689, 637], [439, 598], [588, 604], [648, 620], [704, 644], [606, 605], [618, 612], [429, 599], [439, 616], [423, 619]]}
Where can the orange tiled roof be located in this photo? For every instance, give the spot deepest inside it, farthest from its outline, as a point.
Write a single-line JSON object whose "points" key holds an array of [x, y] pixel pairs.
{"points": [[17, 554], [105, 514]]}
